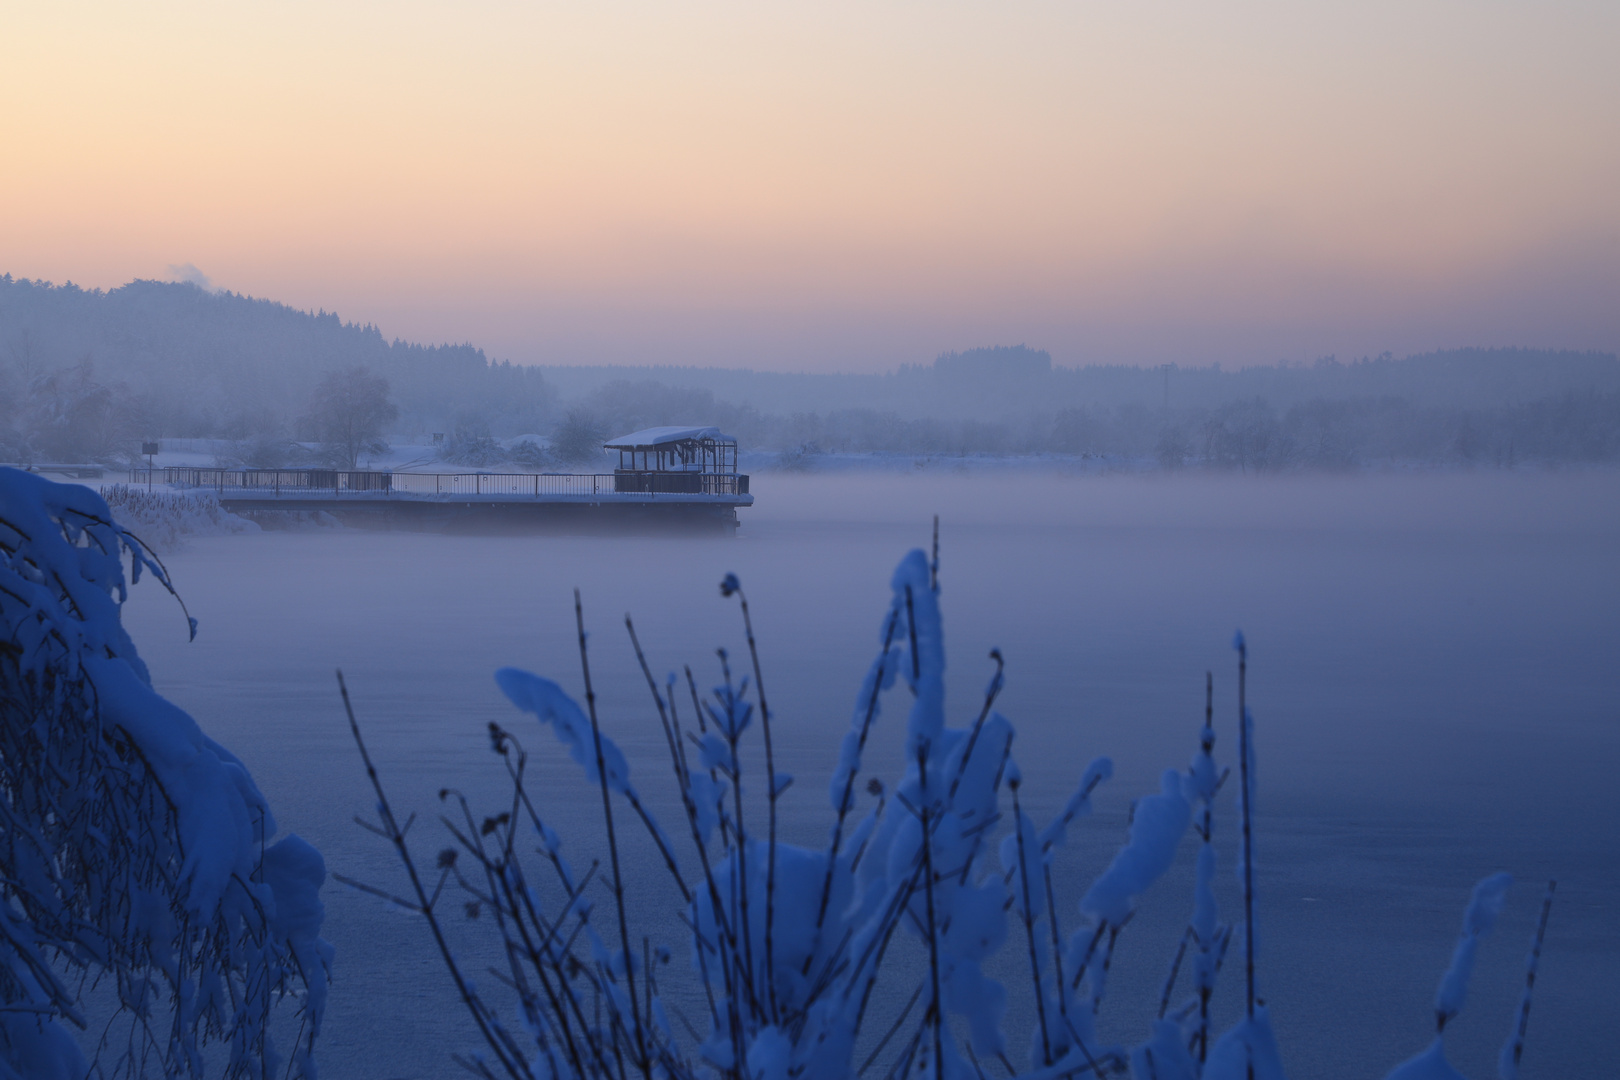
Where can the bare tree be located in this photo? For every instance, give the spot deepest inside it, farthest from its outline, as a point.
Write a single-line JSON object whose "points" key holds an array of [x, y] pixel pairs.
{"points": [[348, 412]]}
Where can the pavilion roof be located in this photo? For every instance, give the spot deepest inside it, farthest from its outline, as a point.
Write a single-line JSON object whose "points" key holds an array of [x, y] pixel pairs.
{"points": [[653, 438]]}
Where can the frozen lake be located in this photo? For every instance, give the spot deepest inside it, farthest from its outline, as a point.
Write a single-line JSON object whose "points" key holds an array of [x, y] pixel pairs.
{"points": [[1435, 672]]}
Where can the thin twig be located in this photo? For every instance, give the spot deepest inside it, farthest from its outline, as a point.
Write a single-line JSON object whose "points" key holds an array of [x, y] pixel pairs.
{"points": [[938, 1006], [849, 785], [1248, 849], [894, 1027], [613, 843], [1175, 969], [515, 1068], [773, 794], [1514, 1050], [1028, 916]]}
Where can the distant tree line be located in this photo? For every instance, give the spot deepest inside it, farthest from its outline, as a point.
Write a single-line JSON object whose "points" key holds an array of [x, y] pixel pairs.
{"points": [[85, 375], [1013, 381], [1247, 435]]}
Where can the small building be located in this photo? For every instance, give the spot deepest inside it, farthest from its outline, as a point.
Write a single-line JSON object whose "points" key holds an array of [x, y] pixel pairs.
{"points": [[677, 460]]}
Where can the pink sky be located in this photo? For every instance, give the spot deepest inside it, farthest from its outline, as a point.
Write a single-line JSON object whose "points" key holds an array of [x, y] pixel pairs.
{"points": [[836, 186]]}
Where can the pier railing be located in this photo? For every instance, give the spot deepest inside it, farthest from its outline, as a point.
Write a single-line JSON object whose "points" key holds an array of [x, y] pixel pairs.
{"points": [[339, 483]]}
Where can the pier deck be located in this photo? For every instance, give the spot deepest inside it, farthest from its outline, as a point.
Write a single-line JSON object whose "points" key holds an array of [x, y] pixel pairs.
{"points": [[573, 501]]}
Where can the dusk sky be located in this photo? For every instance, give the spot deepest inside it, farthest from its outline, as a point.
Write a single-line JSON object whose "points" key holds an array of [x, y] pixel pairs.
{"points": [[838, 187]]}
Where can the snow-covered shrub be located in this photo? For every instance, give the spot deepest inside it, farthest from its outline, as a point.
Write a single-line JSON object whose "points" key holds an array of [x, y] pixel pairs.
{"points": [[137, 882], [788, 943], [798, 458], [478, 451], [529, 454], [579, 437], [264, 450], [163, 519]]}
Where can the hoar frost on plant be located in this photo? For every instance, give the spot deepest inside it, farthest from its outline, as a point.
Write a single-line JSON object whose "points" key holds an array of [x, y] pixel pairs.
{"points": [[1479, 919], [136, 848], [1157, 827], [1248, 1049], [793, 949], [164, 519]]}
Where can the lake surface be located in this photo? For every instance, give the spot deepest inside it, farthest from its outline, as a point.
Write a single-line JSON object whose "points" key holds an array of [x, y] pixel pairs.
{"points": [[1435, 673]]}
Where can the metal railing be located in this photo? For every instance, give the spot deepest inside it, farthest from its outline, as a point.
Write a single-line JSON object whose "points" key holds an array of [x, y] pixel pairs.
{"points": [[680, 483], [358, 483], [297, 481], [533, 485]]}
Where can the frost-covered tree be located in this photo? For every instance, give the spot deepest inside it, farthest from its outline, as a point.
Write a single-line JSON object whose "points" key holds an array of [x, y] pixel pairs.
{"points": [[72, 416], [350, 412], [579, 437], [139, 889]]}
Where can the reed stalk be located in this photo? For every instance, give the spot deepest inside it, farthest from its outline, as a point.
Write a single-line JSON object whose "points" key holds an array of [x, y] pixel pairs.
{"points": [[772, 795], [846, 798], [1514, 1050], [1027, 916], [1248, 836], [639, 1040]]}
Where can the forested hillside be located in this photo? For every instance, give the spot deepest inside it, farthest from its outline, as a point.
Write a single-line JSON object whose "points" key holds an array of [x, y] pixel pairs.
{"points": [[86, 374], [165, 359]]}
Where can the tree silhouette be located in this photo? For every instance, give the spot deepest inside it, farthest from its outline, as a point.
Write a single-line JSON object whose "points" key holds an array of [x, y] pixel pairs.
{"points": [[349, 411]]}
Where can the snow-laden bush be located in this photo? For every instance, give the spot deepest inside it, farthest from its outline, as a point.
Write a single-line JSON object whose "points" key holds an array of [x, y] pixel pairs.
{"points": [[138, 886], [789, 943], [477, 451], [163, 519]]}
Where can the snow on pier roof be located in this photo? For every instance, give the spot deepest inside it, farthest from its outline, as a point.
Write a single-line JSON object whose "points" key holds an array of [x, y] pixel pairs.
{"points": [[649, 438]]}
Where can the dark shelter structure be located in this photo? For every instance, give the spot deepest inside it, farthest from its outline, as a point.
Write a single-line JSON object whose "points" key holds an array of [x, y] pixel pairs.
{"points": [[677, 460]]}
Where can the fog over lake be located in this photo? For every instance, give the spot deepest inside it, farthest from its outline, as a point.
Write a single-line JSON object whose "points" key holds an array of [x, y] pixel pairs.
{"points": [[1435, 674]]}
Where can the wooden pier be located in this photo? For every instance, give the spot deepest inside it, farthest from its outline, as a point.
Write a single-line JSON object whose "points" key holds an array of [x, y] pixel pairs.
{"points": [[685, 479]]}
